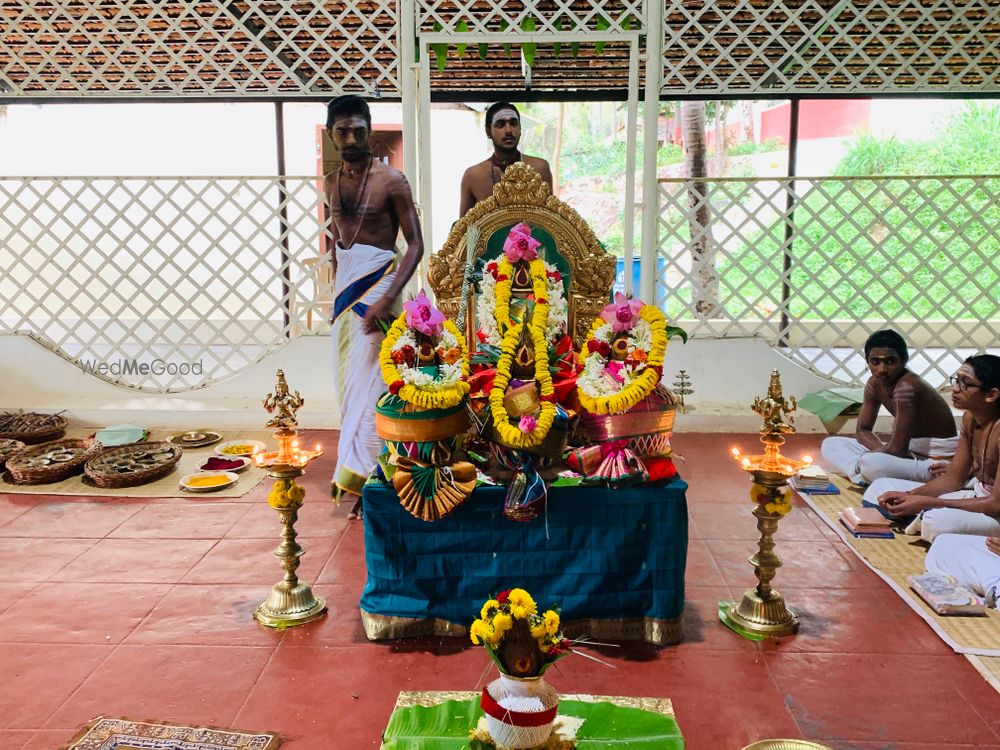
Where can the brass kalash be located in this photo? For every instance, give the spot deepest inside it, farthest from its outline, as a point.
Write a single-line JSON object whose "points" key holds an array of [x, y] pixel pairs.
{"points": [[762, 612], [291, 602]]}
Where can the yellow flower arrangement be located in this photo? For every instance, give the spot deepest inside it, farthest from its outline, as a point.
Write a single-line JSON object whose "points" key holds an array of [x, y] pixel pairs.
{"points": [[501, 299], [509, 611], [771, 499], [645, 382], [419, 396], [286, 493]]}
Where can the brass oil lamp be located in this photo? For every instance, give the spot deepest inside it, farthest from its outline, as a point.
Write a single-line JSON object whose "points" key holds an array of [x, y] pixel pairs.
{"points": [[291, 602], [762, 612]]}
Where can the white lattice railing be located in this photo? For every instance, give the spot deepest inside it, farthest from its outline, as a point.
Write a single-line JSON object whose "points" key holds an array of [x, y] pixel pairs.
{"points": [[221, 271], [197, 277], [745, 48], [814, 265]]}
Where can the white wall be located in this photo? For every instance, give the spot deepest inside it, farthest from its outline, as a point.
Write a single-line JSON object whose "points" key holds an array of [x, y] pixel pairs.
{"points": [[721, 400]]}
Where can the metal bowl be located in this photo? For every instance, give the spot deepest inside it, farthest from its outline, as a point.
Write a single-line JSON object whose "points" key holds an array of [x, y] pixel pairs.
{"points": [[786, 745]]}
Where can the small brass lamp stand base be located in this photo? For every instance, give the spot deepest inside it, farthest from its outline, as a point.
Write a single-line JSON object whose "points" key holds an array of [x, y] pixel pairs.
{"points": [[762, 611]]}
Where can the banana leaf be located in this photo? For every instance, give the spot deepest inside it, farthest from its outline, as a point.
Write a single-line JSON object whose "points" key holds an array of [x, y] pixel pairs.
{"points": [[606, 726]]}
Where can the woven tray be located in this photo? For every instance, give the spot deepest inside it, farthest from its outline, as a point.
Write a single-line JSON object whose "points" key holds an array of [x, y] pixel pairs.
{"points": [[8, 448], [31, 428], [51, 462], [132, 465]]}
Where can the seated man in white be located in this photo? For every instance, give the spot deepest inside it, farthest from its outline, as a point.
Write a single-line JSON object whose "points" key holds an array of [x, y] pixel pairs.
{"points": [[971, 560], [923, 431], [965, 499]]}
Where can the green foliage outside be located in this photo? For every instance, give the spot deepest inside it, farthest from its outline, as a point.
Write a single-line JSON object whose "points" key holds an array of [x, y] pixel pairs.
{"points": [[855, 257]]}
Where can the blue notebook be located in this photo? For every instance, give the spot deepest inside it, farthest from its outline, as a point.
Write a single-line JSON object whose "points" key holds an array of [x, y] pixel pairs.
{"points": [[830, 489], [884, 512]]}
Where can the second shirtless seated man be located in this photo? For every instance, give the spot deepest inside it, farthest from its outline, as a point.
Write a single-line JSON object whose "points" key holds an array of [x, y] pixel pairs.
{"points": [[923, 432]]}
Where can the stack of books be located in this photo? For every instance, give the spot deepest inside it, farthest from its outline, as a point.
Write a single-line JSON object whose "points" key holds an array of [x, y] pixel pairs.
{"points": [[813, 481], [946, 596], [866, 523]]}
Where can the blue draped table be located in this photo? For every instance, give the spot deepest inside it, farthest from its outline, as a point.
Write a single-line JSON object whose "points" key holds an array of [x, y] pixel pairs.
{"points": [[612, 559]]}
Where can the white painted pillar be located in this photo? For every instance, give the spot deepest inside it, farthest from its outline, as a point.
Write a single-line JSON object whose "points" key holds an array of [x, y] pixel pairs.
{"points": [[650, 189]]}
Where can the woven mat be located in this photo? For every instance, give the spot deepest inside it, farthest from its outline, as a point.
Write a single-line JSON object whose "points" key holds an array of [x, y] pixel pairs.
{"points": [[105, 733], [893, 560], [190, 462]]}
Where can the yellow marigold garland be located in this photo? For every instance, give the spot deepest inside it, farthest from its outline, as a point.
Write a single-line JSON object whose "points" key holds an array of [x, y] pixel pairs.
{"points": [[646, 382], [423, 399], [512, 435], [501, 295]]}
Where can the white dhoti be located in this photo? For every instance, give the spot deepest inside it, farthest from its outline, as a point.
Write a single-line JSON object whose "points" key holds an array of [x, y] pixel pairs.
{"points": [[967, 559], [856, 462], [364, 274], [937, 521]]}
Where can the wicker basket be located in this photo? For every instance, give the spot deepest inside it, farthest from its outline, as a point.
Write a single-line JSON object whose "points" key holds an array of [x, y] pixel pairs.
{"points": [[25, 467], [8, 448], [32, 428], [132, 465]]}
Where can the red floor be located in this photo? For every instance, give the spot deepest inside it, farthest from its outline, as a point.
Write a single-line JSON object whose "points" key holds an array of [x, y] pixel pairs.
{"points": [[141, 608]]}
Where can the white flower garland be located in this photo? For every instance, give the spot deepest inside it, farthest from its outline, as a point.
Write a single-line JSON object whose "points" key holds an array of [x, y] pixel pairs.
{"points": [[595, 381], [448, 375], [558, 308]]}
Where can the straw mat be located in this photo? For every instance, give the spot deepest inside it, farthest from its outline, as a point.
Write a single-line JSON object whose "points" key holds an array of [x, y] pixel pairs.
{"points": [[165, 487], [106, 733], [893, 560]]}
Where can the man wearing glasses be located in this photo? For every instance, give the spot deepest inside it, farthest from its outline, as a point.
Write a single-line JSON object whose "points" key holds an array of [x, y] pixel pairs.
{"points": [[965, 497], [923, 432]]}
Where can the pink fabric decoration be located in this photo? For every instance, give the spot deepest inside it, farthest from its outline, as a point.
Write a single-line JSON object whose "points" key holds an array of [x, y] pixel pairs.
{"points": [[422, 316], [614, 369], [520, 245], [527, 423], [623, 313]]}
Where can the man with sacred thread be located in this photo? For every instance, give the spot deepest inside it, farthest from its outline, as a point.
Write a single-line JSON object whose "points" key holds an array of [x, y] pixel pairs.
{"points": [[503, 128], [369, 204]]}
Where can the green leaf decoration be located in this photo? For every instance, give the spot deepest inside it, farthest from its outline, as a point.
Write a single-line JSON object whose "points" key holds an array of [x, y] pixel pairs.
{"points": [[528, 50], [440, 50], [601, 24], [503, 27], [628, 23], [446, 726], [462, 26], [680, 333], [575, 49], [483, 51], [562, 27]]}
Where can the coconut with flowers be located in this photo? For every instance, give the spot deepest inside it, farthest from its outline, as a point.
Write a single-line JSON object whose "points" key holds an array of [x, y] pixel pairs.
{"points": [[520, 706]]}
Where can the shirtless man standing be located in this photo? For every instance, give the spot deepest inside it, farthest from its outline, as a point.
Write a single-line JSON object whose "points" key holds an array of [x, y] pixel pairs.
{"points": [[503, 127], [369, 203], [923, 432]]}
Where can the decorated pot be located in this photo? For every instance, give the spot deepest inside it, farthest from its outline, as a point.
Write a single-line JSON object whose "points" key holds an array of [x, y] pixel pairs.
{"points": [[519, 711]]}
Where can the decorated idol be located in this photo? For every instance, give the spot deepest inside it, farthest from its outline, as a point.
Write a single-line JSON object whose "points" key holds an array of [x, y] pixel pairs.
{"points": [[627, 414], [423, 416], [522, 333]]}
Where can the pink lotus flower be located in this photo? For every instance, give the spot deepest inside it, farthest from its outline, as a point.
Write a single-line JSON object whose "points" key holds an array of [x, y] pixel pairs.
{"points": [[527, 423], [422, 316], [520, 245], [623, 313]]}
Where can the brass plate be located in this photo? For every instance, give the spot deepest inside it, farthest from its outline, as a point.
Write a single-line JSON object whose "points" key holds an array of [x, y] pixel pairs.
{"points": [[195, 438], [786, 745]]}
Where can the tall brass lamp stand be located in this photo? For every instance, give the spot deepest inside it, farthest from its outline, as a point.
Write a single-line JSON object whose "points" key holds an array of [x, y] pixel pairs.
{"points": [[291, 602], [762, 612]]}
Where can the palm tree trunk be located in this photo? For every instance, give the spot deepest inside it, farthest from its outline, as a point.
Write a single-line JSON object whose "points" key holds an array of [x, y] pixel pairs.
{"points": [[702, 255]]}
